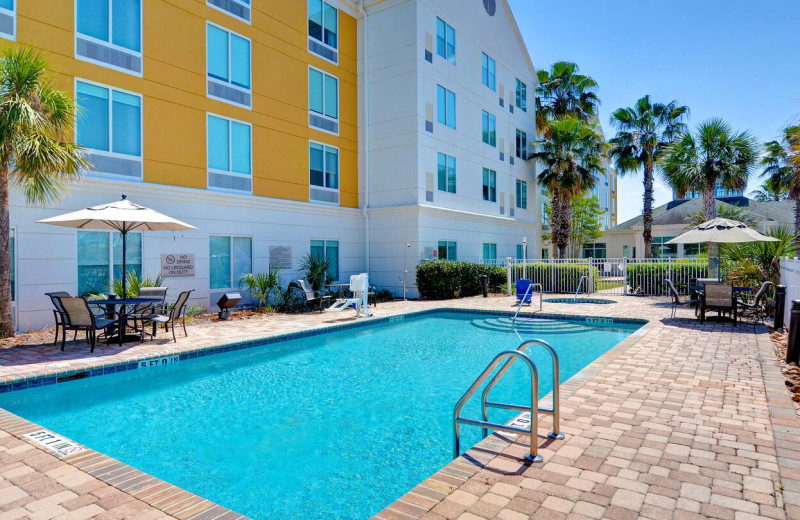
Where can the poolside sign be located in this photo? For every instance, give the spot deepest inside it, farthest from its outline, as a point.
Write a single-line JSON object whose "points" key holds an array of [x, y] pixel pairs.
{"points": [[177, 266], [50, 441]]}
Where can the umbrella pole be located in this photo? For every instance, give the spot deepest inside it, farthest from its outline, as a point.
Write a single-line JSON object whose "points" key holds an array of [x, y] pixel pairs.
{"points": [[124, 267]]}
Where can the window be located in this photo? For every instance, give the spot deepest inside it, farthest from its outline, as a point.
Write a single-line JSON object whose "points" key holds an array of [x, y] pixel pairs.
{"points": [[445, 41], [613, 207], [447, 250], [692, 250], [100, 259], [545, 214], [229, 257], [522, 145], [522, 194], [446, 173], [489, 185], [328, 250], [110, 125], [228, 65], [8, 21], [522, 252], [323, 163], [109, 32], [490, 254], [521, 96], [545, 253], [230, 154], [237, 8], [446, 106], [489, 123], [323, 99], [323, 23], [13, 250], [596, 250], [487, 71], [660, 249]]}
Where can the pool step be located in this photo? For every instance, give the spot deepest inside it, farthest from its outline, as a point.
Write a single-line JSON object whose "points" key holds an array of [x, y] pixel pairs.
{"points": [[530, 325]]}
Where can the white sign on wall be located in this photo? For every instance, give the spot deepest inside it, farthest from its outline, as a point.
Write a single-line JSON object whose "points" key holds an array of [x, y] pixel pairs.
{"points": [[177, 266]]}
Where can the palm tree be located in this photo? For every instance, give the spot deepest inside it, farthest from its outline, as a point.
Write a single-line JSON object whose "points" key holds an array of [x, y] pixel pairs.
{"points": [[781, 162], [570, 157], [768, 191], [36, 121], [563, 92], [714, 154], [643, 132]]}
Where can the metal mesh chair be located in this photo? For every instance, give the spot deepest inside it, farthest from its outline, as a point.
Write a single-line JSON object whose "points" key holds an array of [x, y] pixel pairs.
{"points": [[78, 317], [676, 298], [755, 307], [177, 312], [718, 297]]}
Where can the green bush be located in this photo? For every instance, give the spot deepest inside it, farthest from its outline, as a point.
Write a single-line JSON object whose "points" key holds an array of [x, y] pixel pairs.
{"points": [[441, 279], [650, 277], [558, 278]]}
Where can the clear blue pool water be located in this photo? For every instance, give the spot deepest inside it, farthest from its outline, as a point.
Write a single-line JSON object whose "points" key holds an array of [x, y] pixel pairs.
{"points": [[330, 426]]}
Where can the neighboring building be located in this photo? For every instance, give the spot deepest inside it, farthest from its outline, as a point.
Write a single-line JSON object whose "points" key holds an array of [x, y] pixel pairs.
{"points": [[719, 192], [671, 219], [280, 132]]}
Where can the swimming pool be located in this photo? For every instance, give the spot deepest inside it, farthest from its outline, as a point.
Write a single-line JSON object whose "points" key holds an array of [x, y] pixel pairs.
{"points": [[334, 425]]}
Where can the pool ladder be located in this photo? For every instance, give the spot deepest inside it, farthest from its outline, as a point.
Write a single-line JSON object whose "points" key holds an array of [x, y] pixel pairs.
{"points": [[510, 356], [528, 291], [586, 278]]}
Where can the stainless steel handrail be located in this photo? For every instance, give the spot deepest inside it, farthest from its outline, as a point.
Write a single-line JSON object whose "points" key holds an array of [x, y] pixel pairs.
{"points": [[554, 411], [528, 291], [533, 454], [580, 282]]}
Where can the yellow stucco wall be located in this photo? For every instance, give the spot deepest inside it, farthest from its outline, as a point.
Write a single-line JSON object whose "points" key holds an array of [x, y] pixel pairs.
{"points": [[173, 88]]}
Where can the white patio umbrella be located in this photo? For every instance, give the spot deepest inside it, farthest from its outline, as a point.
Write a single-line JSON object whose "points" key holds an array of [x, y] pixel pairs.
{"points": [[721, 231], [123, 216]]}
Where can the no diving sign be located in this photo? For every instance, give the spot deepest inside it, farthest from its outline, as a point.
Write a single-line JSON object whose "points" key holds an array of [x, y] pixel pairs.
{"points": [[177, 266]]}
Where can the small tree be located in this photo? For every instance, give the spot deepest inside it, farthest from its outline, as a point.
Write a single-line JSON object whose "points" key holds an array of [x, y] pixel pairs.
{"points": [[585, 224], [36, 150]]}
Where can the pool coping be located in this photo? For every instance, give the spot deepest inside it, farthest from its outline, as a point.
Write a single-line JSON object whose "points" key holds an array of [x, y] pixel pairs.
{"points": [[178, 502]]}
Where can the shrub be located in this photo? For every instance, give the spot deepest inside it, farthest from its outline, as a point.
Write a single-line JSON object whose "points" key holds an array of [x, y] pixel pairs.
{"points": [[558, 278], [650, 277], [441, 279]]}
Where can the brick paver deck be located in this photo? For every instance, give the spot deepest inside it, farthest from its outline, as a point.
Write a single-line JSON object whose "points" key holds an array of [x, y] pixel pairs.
{"points": [[678, 421]]}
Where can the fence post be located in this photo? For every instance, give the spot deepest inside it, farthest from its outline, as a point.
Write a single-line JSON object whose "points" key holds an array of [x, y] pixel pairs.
{"points": [[552, 276], [625, 275], [669, 269], [509, 266], [793, 347], [590, 287]]}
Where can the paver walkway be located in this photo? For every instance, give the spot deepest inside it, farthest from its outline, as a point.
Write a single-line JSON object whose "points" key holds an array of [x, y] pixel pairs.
{"points": [[683, 421]]}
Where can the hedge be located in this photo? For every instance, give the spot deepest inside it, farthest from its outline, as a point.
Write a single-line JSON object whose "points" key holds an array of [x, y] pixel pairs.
{"points": [[440, 279], [649, 278], [558, 278]]}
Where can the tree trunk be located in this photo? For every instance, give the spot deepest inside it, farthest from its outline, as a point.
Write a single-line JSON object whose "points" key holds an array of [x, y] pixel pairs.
{"points": [[647, 211], [796, 197], [6, 319], [563, 224]]}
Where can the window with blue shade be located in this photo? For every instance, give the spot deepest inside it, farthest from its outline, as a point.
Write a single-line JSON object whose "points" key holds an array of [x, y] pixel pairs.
{"points": [[327, 250], [489, 185], [118, 22], [100, 260], [323, 23], [522, 194], [445, 41], [229, 146], [521, 96], [110, 120], [323, 166], [489, 127], [446, 173], [488, 71], [489, 253], [323, 93], [447, 250], [227, 57], [522, 145], [445, 106], [522, 252], [229, 258], [12, 245], [7, 5]]}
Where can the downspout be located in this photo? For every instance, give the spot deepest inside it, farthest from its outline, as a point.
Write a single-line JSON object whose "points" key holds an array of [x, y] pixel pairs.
{"points": [[365, 77]]}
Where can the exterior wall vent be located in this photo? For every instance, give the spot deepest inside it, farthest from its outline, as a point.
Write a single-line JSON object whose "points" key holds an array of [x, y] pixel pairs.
{"points": [[114, 56], [228, 93], [237, 9]]}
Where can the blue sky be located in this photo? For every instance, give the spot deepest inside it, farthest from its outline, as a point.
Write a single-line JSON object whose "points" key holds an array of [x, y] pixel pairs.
{"points": [[735, 59]]}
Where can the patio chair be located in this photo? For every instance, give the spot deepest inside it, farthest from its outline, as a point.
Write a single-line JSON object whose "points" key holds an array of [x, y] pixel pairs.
{"points": [[310, 295], [755, 308], [676, 298], [523, 287], [78, 317], [58, 312], [177, 312], [718, 297], [143, 310]]}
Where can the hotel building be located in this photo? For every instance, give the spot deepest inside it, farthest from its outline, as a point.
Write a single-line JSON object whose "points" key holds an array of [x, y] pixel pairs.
{"points": [[282, 129]]}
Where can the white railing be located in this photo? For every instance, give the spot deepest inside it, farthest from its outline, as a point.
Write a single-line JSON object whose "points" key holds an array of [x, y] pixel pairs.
{"points": [[790, 277], [622, 276]]}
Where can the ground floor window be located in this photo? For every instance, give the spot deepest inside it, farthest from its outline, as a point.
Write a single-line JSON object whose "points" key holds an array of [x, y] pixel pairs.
{"points": [[100, 259], [545, 253], [328, 250], [229, 258], [13, 266], [660, 249], [447, 250], [691, 250], [596, 250], [522, 251], [490, 254]]}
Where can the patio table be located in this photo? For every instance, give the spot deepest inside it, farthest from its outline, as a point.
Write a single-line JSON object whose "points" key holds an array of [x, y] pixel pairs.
{"points": [[124, 304], [340, 286]]}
